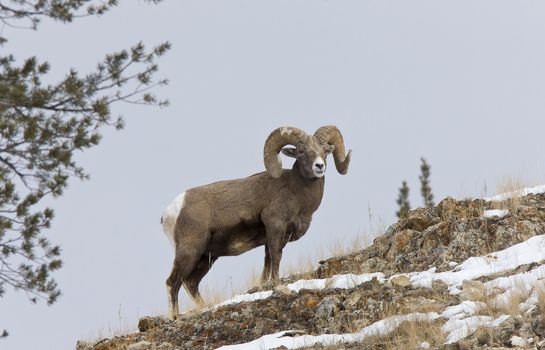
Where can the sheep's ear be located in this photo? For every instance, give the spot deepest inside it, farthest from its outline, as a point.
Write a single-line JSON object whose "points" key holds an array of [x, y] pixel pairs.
{"points": [[290, 152], [329, 149]]}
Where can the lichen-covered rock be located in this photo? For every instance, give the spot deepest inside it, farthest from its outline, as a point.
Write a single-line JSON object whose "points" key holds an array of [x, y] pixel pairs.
{"points": [[147, 323], [328, 307]]}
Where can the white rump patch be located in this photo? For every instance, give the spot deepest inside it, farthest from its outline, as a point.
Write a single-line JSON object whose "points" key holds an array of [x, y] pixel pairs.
{"points": [[170, 216]]}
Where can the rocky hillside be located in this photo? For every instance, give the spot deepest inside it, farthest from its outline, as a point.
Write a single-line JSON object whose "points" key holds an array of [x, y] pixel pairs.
{"points": [[462, 275]]}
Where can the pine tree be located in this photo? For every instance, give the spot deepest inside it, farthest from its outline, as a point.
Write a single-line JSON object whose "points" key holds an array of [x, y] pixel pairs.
{"points": [[403, 201], [43, 126], [425, 188]]}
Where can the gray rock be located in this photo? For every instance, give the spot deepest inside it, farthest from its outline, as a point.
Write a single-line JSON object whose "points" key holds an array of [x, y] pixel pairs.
{"points": [[351, 300], [328, 307], [281, 290], [400, 281]]}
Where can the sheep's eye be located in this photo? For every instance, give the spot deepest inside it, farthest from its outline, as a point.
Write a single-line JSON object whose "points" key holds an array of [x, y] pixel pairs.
{"points": [[300, 152]]}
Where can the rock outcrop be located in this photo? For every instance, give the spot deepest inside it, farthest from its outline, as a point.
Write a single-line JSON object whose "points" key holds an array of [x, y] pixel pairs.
{"points": [[439, 237]]}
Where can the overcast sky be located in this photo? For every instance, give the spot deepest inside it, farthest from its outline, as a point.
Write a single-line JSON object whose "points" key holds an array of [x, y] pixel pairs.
{"points": [[460, 83]]}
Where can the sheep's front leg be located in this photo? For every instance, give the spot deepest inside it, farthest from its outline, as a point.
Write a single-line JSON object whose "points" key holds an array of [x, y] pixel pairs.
{"points": [[266, 266], [275, 247], [276, 229]]}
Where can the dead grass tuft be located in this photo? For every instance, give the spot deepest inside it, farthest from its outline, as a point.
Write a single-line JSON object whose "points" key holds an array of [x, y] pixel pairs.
{"points": [[342, 247], [411, 335], [119, 328], [540, 292], [515, 297], [484, 335], [513, 186], [303, 267], [497, 304]]}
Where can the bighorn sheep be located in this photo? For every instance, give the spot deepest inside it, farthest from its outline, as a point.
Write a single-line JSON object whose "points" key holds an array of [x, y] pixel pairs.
{"points": [[270, 208]]}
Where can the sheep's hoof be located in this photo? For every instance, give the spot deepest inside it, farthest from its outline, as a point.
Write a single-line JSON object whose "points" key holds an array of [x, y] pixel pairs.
{"points": [[173, 315]]}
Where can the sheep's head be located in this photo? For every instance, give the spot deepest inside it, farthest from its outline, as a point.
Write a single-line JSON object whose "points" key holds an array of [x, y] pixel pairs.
{"points": [[310, 150]]}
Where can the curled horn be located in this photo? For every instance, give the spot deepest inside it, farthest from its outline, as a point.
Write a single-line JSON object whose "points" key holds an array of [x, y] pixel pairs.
{"points": [[330, 134], [276, 140]]}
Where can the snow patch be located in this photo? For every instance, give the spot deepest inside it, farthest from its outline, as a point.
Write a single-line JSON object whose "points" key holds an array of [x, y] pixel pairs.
{"points": [[458, 329], [455, 328], [382, 327], [462, 310], [338, 281], [518, 341], [532, 250], [522, 192], [495, 212], [245, 298], [529, 283]]}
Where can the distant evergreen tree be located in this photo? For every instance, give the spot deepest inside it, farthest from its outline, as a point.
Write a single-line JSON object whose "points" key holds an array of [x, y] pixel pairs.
{"points": [[403, 201], [425, 188]]}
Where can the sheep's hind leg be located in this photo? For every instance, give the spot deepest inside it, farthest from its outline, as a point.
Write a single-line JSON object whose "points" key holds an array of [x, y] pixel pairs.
{"points": [[203, 266], [173, 307], [185, 262]]}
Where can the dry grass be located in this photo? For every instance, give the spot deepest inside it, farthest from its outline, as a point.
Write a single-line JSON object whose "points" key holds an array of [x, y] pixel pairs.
{"points": [[495, 304], [342, 247], [516, 296], [303, 267], [513, 186], [121, 327], [484, 335], [410, 335], [405, 335], [509, 303], [540, 292], [214, 296]]}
